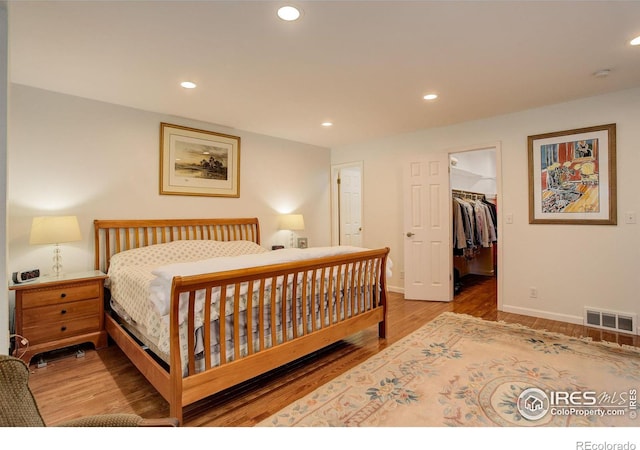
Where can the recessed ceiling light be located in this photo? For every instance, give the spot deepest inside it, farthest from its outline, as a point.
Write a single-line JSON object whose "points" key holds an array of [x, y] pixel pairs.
{"points": [[289, 13], [430, 96], [327, 124], [635, 41], [188, 84]]}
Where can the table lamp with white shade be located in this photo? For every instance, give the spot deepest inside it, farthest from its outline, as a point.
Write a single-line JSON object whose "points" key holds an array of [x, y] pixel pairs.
{"points": [[292, 222], [55, 230]]}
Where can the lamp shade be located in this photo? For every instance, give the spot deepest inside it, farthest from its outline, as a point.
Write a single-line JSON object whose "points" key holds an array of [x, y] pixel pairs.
{"points": [[292, 222], [54, 230]]}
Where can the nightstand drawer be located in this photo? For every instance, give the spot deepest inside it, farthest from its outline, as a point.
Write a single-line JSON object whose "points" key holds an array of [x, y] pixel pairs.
{"points": [[51, 296], [59, 330], [62, 312]]}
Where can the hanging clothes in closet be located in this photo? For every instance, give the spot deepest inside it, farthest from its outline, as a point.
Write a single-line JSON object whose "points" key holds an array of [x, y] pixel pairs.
{"points": [[474, 223], [475, 236]]}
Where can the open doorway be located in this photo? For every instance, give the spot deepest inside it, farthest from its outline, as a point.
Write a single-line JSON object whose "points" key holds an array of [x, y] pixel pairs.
{"points": [[474, 191], [346, 204]]}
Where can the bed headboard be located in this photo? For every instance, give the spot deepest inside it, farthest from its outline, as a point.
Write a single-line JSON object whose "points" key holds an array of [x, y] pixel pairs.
{"points": [[113, 236]]}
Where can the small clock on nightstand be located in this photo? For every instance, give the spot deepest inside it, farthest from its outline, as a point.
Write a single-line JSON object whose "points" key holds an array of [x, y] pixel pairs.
{"points": [[57, 312], [25, 276]]}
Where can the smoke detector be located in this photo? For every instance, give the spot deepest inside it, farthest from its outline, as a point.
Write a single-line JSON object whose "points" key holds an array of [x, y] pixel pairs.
{"points": [[602, 73]]}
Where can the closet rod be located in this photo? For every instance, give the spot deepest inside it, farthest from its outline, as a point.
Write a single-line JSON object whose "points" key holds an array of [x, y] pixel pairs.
{"points": [[468, 194]]}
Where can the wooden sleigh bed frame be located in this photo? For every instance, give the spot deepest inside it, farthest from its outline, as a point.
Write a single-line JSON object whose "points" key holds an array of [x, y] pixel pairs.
{"points": [[182, 386]]}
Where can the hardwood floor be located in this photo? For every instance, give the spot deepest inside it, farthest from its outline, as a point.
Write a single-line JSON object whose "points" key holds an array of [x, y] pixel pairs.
{"points": [[105, 381]]}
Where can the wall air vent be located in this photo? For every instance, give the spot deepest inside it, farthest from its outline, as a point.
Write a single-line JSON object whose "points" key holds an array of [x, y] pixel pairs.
{"points": [[610, 320]]}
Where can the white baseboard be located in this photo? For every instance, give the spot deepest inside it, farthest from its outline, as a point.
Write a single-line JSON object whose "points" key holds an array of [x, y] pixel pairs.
{"points": [[543, 314], [578, 320], [396, 289]]}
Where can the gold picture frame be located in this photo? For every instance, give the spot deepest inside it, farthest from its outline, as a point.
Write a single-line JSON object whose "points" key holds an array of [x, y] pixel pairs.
{"points": [[572, 176], [198, 162]]}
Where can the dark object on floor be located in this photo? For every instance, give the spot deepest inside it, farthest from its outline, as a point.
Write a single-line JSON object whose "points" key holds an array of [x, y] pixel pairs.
{"points": [[457, 283]]}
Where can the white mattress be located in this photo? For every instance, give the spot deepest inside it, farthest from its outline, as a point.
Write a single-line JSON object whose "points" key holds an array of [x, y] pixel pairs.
{"points": [[131, 273], [140, 282]]}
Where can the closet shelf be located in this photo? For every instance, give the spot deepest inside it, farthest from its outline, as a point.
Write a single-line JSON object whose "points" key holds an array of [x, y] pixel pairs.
{"points": [[465, 173], [469, 174]]}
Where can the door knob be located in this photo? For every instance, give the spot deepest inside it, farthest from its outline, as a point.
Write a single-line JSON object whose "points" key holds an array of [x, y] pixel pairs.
{"points": [[409, 234]]}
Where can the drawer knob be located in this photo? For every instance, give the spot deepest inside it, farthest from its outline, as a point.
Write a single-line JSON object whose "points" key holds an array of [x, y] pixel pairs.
{"points": [[63, 295], [64, 311], [63, 328]]}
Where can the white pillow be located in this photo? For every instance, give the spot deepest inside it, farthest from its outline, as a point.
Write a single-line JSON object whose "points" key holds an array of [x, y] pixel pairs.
{"points": [[181, 251]]}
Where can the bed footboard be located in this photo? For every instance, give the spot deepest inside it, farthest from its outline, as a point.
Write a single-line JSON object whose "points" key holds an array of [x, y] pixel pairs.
{"points": [[249, 321]]}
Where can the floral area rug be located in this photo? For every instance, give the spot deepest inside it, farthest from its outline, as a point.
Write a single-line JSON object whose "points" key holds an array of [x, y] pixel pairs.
{"points": [[461, 371]]}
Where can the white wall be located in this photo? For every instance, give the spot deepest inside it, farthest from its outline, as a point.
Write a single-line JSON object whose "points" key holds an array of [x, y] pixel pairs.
{"points": [[4, 311], [69, 155], [570, 265]]}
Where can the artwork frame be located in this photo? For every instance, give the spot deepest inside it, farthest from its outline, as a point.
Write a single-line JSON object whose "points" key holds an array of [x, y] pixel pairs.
{"points": [[572, 176], [215, 176], [302, 242]]}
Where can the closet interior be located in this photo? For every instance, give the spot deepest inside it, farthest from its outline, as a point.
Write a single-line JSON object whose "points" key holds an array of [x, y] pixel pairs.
{"points": [[474, 207]]}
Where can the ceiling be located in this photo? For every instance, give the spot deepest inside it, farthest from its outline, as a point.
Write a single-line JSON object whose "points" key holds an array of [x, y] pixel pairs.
{"points": [[363, 65]]}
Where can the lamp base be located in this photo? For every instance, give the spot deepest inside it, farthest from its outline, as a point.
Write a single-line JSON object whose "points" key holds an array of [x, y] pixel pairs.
{"points": [[56, 269]]}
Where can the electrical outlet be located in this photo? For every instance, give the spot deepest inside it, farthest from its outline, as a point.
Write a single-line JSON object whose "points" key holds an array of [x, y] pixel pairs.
{"points": [[630, 217], [533, 292]]}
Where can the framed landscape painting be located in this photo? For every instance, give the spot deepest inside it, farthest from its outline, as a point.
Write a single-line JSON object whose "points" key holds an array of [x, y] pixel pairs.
{"points": [[198, 162], [572, 176]]}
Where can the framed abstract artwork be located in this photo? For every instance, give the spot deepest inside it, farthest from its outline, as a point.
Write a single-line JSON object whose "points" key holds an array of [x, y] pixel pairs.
{"points": [[572, 176], [198, 162]]}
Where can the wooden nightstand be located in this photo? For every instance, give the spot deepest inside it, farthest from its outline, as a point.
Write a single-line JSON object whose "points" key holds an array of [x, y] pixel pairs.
{"points": [[57, 312]]}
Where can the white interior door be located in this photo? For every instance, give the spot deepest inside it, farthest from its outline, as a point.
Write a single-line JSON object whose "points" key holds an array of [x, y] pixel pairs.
{"points": [[350, 207], [427, 242], [346, 204]]}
